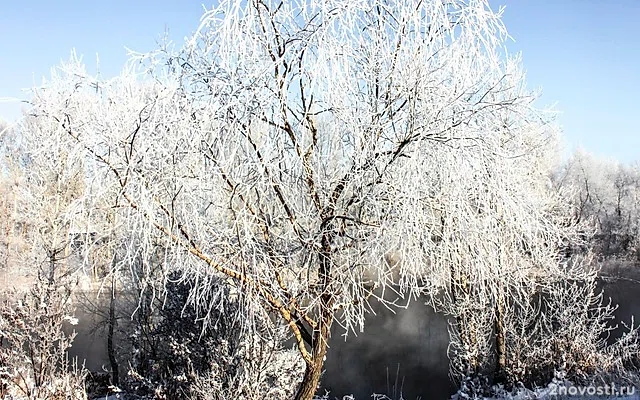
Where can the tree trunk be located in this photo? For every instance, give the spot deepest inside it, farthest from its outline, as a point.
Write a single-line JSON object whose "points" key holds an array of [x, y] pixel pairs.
{"points": [[311, 379], [313, 371], [460, 292], [112, 322], [321, 334], [501, 347]]}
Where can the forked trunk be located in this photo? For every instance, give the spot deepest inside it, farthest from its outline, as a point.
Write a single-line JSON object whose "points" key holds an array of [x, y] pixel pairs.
{"points": [[321, 334], [313, 371]]}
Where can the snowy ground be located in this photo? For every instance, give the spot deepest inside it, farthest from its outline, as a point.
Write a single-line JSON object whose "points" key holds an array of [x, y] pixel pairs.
{"points": [[540, 394], [565, 391], [520, 396], [557, 391]]}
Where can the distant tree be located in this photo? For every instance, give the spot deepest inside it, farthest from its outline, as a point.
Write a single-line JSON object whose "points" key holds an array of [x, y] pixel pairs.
{"points": [[318, 156], [11, 178], [606, 194]]}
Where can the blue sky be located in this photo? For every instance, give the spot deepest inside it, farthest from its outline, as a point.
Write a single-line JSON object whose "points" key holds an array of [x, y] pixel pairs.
{"points": [[583, 54]]}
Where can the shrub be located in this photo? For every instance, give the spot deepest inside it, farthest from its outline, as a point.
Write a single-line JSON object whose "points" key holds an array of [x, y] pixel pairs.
{"points": [[184, 352], [34, 362]]}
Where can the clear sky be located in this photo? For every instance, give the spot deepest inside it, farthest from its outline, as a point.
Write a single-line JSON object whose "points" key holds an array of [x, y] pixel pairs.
{"points": [[583, 54]]}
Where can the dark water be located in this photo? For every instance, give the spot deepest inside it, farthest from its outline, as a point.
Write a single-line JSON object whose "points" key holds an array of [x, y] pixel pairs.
{"points": [[90, 343], [398, 353], [405, 352]]}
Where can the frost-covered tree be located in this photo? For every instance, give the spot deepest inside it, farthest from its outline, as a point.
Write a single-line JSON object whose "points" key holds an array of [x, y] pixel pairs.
{"points": [[36, 306], [500, 237], [606, 195], [319, 155], [12, 225]]}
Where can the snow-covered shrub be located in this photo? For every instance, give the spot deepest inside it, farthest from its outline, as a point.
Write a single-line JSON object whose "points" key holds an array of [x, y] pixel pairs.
{"points": [[206, 354], [565, 328], [274, 374], [562, 326], [34, 362]]}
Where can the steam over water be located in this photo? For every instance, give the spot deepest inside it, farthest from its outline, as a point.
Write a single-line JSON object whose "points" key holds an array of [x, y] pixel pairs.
{"points": [[402, 352]]}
